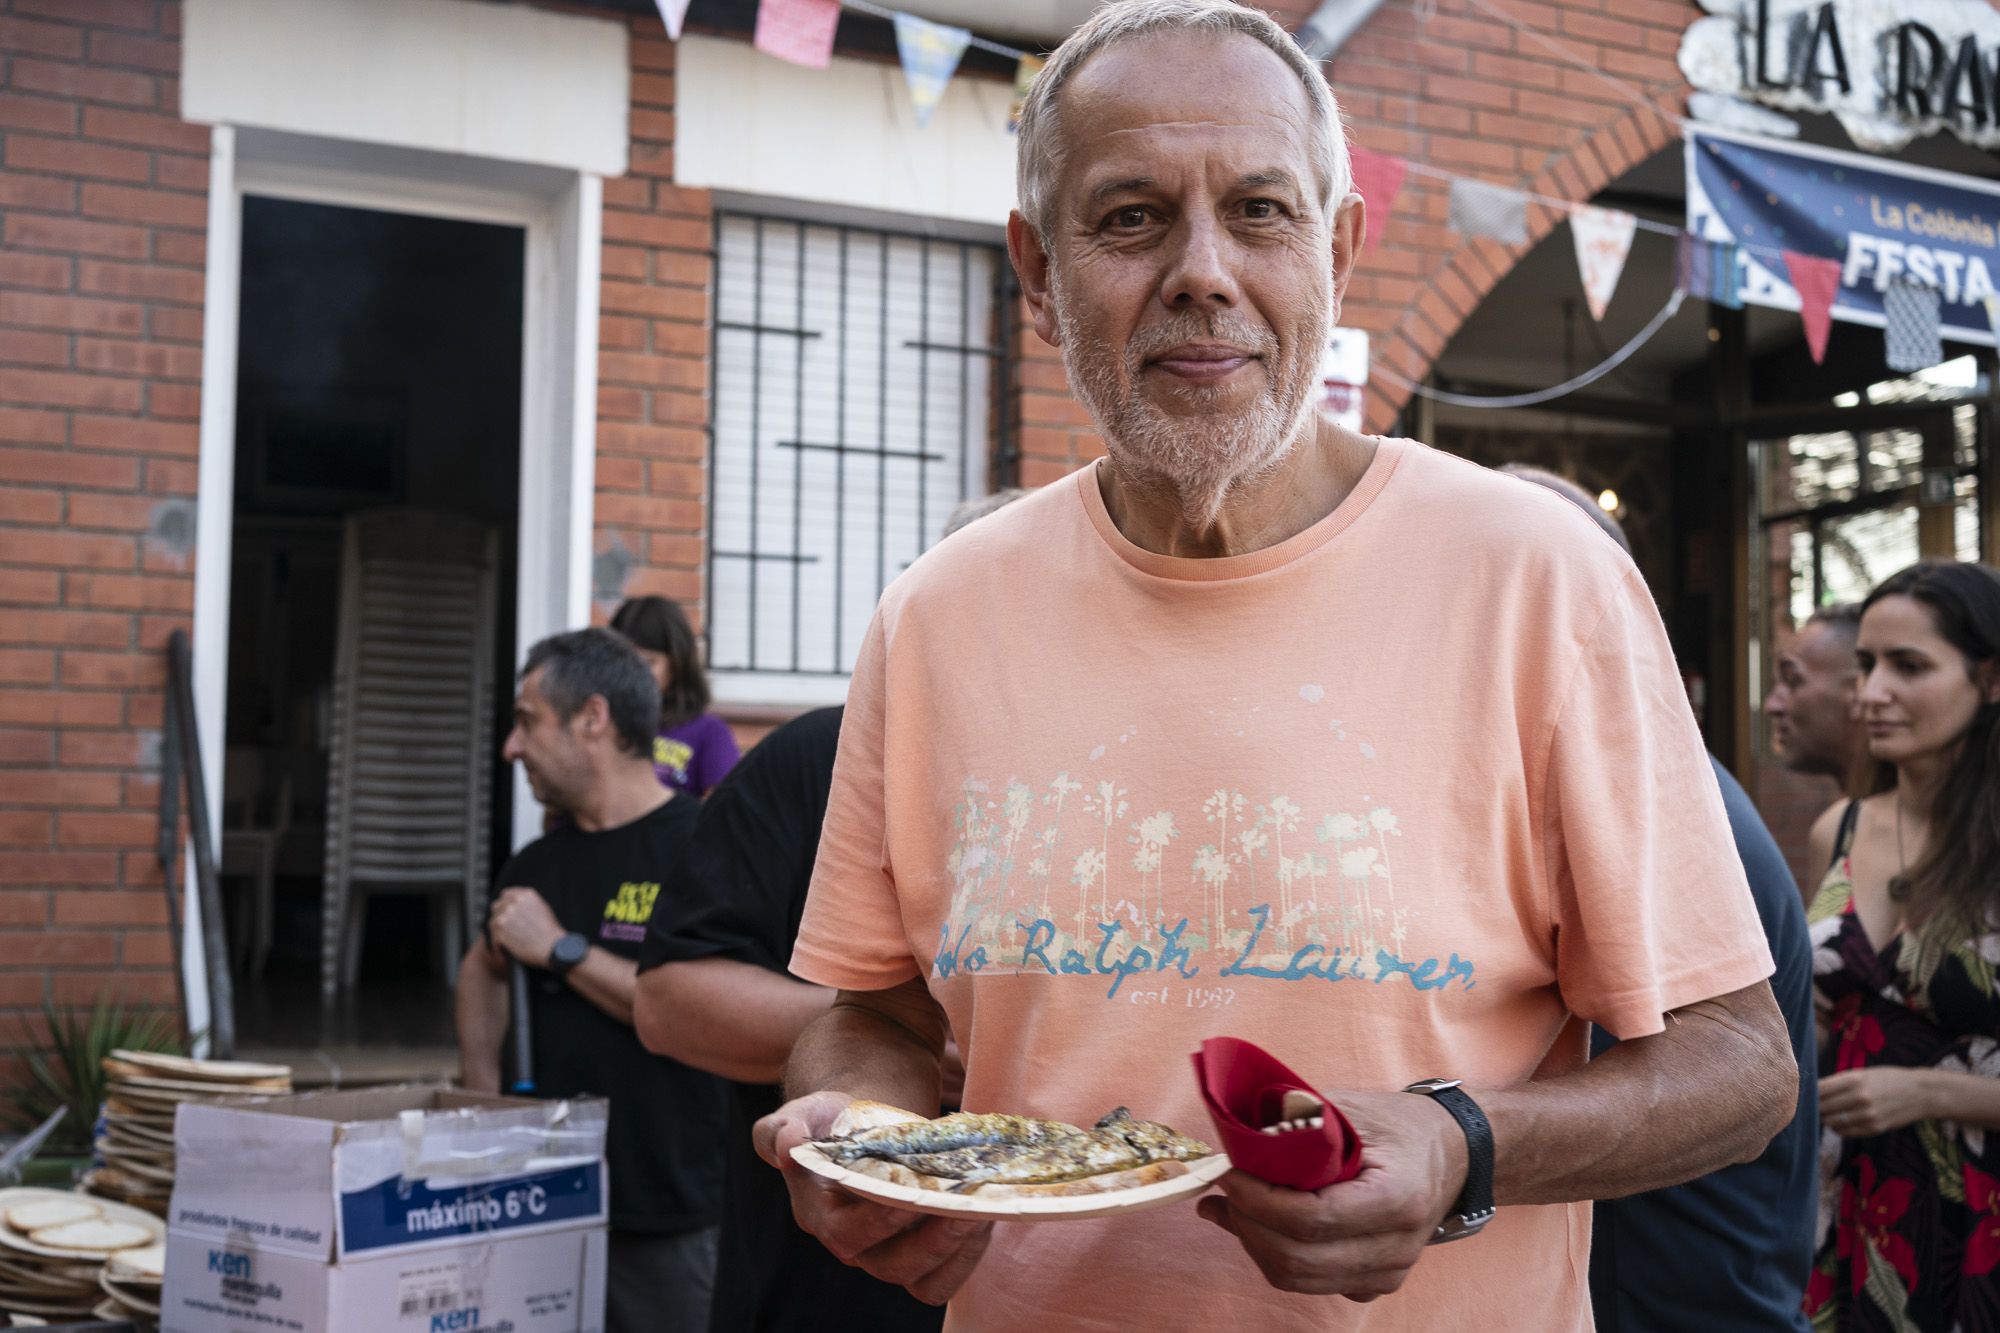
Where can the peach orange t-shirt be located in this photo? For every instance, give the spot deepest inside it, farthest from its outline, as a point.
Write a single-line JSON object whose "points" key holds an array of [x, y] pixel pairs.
{"points": [[1413, 793]]}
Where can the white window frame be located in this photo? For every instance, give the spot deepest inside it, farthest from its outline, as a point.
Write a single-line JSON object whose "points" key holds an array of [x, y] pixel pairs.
{"points": [[752, 690], [560, 211]]}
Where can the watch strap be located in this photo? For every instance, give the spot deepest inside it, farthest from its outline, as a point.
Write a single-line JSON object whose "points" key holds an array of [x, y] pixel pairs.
{"points": [[1474, 1206]]}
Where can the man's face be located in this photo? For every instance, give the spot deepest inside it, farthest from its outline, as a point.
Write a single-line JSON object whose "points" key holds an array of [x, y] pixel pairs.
{"points": [[547, 748], [1812, 705], [1191, 263]]}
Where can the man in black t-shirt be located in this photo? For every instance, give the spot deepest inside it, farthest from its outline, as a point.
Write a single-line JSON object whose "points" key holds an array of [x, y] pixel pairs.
{"points": [[713, 991], [573, 907]]}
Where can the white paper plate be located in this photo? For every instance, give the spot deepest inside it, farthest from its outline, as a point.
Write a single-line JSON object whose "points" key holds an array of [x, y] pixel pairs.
{"points": [[16, 1274], [110, 1211], [133, 1296], [183, 1090], [207, 1071], [1048, 1208], [123, 1126], [75, 1310], [139, 1267]]}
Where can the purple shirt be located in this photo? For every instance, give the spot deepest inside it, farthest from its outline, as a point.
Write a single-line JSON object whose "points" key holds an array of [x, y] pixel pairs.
{"points": [[696, 755]]}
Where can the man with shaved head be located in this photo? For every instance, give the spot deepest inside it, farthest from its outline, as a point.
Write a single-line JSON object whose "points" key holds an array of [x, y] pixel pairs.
{"points": [[1263, 728]]}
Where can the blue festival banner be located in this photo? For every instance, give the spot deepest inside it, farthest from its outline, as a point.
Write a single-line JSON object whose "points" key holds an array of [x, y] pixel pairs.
{"points": [[1881, 220]]}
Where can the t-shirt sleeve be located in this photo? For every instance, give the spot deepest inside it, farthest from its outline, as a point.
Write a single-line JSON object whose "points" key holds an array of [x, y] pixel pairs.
{"points": [[1649, 904], [852, 935], [714, 756], [516, 871], [750, 847]]}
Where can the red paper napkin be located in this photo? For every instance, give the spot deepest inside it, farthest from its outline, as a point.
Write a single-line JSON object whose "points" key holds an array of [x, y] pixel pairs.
{"points": [[1245, 1087]]}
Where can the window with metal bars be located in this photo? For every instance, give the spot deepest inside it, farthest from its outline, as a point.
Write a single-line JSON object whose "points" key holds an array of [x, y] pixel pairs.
{"points": [[856, 373]]}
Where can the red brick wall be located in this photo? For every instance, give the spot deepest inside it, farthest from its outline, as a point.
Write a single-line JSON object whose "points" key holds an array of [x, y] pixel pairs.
{"points": [[652, 367], [103, 209]]}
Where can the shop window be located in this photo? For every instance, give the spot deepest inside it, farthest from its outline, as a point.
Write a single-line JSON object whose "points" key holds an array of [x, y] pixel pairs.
{"points": [[856, 373]]}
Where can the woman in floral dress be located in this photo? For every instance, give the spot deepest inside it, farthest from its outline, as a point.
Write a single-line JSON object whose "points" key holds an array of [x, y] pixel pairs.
{"points": [[1906, 935]]}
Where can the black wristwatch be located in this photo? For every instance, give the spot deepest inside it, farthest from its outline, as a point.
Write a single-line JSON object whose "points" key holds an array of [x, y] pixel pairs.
{"points": [[1474, 1208], [570, 950]]}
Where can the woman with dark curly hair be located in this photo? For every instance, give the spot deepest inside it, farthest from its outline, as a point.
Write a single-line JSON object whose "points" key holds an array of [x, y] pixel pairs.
{"points": [[694, 749], [1906, 935]]}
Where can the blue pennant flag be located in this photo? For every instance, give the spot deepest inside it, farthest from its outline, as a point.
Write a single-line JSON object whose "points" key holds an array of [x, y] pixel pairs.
{"points": [[1711, 270], [930, 54]]}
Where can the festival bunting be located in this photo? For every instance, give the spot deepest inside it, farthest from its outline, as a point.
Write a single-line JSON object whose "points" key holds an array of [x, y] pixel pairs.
{"points": [[1024, 78], [1378, 179], [1816, 280], [800, 31], [1913, 326], [1710, 271], [930, 53], [1603, 239], [1480, 208], [673, 13]]}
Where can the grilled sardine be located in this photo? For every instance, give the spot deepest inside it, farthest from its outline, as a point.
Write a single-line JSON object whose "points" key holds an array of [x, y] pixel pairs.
{"points": [[1085, 1153], [1155, 1142], [961, 1129]]}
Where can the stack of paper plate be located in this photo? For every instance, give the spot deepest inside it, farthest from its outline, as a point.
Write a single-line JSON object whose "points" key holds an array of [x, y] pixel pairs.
{"points": [[135, 1141], [131, 1282], [55, 1247]]}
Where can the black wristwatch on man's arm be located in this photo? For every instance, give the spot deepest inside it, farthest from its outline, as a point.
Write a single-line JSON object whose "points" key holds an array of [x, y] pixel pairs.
{"points": [[570, 950], [1474, 1208]]}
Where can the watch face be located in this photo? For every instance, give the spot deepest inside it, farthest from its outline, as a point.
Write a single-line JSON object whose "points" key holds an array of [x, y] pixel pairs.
{"points": [[570, 950]]}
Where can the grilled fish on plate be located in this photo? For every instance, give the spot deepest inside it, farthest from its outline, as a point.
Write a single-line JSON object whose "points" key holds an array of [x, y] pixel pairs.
{"points": [[1010, 1156]]}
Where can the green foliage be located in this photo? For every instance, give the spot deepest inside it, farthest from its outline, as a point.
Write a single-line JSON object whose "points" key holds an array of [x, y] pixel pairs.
{"points": [[71, 1071]]}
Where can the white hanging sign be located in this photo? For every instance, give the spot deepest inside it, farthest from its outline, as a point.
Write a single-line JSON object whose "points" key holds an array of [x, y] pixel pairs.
{"points": [[1890, 70]]}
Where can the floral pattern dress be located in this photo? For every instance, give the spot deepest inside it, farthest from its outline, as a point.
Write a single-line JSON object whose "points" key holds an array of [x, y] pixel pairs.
{"points": [[1909, 1220]]}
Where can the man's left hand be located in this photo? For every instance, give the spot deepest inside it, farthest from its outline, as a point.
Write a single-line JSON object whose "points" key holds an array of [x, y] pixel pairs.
{"points": [[1858, 1103], [523, 926], [1361, 1237]]}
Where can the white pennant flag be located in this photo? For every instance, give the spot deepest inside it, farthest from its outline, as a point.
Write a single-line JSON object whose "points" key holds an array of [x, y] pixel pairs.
{"points": [[673, 13], [1603, 239]]}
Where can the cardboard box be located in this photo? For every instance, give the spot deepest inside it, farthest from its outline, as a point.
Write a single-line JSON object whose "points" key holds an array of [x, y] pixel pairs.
{"points": [[411, 1208]]}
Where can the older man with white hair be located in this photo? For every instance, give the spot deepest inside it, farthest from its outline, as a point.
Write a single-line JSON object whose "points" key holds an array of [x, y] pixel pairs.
{"points": [[1263, 728]]}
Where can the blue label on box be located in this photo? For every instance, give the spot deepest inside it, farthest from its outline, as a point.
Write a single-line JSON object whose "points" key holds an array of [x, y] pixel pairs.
{"points": [[401, 1212]]}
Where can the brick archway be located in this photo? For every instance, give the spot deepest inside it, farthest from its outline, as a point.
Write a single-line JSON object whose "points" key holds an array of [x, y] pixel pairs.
{"points": [[1471, 271], [1557, 98]]}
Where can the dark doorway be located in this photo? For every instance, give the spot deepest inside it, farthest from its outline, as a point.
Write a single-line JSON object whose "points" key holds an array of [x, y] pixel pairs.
{"points": [[379, 368]]}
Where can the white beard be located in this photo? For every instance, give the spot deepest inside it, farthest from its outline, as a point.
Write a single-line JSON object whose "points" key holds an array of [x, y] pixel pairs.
{"points": [[1202, 458]]}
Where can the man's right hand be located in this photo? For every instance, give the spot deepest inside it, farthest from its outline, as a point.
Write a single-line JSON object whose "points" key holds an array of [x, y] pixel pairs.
{"points": [[930, 1257]]}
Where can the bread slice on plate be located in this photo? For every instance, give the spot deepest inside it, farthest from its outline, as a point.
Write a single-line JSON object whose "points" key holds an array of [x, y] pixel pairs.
{"points": [[31, 1217], [94, 1235]]}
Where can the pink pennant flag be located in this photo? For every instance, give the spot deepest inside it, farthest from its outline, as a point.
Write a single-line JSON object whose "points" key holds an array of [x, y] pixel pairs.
{"points": [[673, 13], [800, 31], [1378, 178], [1603, 239], [1816, 281]]}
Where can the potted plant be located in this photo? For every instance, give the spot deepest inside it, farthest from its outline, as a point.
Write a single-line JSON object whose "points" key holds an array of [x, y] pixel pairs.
{"points": [[70, 1073]]}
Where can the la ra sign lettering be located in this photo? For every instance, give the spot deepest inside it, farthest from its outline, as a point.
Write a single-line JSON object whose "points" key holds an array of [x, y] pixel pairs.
{"points": [[1890, 70]]}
